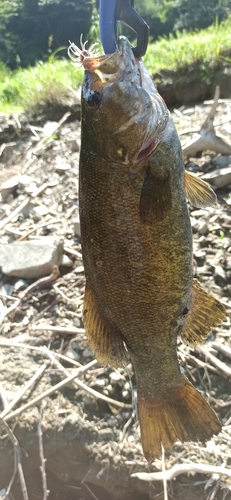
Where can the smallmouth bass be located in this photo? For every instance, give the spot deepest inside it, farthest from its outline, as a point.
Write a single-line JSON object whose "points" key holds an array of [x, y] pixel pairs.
{"points": [[137, 246]]}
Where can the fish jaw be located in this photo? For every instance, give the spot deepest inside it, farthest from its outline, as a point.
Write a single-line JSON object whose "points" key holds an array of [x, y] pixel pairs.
{"points": [[123, 107]]}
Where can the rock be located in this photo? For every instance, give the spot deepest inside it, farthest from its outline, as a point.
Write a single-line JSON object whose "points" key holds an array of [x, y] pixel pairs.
{"points": [[87, 353], [220, 276], [16, 182], [200, 257], [221, 161], [9, 187], [79, 269], [114, 377], [6, 151], [66, 261], [62, 168], [20, 285], [220, 177], [6, 289], [31, 259], [39, 211], [199, 226], [72, 354], [50, 128], [73, 145]]}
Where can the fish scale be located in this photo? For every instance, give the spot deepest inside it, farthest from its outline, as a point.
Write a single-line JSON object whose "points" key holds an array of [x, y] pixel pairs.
{"points": [[137, 247]]}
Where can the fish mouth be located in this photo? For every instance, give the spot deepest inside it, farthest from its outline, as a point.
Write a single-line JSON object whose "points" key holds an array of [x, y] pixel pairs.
{"points": [[108, 68]]}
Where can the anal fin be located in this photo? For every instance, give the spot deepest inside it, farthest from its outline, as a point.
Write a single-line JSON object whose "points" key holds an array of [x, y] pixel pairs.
{"points": [[205, 313], [198, 192], [105, 340]]}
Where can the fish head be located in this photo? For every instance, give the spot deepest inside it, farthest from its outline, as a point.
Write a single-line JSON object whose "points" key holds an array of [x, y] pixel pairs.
{"points": [[121, 108]]}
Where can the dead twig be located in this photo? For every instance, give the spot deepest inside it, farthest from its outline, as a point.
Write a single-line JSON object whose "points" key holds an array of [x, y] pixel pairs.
{"points": [[223, 368], [42, 459], [223, 349], [57, 329], [17, 463], [190, 359], [73, 252], [165, 485], [41, 226], [207, 138], [87, 487], [178, 469]]}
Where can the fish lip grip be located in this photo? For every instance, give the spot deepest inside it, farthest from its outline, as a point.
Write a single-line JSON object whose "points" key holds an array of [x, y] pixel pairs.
{"points": [[112, 11]]}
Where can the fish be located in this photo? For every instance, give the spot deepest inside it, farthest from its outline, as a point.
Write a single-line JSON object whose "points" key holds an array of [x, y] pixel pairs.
{"points": [[136, 237]]}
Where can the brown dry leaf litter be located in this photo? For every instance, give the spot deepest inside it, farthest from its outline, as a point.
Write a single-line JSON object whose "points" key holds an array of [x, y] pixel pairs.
{"points": [[69, 425]]}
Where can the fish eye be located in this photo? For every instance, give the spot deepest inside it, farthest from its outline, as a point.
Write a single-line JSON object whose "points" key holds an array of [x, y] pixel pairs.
{"points": [[93, 99]]}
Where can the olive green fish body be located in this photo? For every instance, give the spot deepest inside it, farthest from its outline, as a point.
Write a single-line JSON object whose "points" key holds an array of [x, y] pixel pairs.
{"points": [[137, 247]]}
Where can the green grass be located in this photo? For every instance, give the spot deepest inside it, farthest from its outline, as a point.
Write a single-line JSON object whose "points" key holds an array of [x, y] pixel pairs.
{"points": [[176, 53], [23, 88]]}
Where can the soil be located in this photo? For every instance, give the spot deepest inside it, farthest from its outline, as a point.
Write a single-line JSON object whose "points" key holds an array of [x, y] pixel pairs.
{"points": [[91, 446]]}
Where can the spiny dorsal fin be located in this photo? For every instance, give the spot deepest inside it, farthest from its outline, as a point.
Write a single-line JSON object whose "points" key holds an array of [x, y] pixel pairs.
{"points": [[155, 198], [198, 192], [205, 313]]}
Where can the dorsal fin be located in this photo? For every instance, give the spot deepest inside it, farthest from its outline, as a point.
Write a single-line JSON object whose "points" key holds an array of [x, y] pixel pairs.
{"points": [[198, 192]]}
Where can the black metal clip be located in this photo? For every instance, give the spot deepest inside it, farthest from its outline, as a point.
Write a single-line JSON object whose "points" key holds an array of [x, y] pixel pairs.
{"points": [[112, 11]]}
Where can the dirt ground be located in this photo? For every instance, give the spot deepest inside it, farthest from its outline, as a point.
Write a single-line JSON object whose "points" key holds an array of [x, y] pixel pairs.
{"points": [[82, 440]]}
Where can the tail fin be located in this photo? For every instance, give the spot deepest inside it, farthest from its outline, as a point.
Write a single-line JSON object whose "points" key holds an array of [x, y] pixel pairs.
{"points": [[182, 415]]}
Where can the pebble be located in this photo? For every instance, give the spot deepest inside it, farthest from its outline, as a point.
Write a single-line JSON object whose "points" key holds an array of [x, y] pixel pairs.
{"points": [[79, 269], [221, 161], [39, 211], [200, 227], [87, 353], [7, 289], [114, 377], [66, 262], [50, 128], [100, 382], [9, 187], [200, 257], [220, 276], [71, 353], [6, 151], [61, 168], [111, 422], [125, 395], [20, 285], [73, 145]]}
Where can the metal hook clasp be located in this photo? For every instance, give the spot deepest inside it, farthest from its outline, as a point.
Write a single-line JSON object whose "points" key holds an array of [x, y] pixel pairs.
{"points": [[112, 11]]}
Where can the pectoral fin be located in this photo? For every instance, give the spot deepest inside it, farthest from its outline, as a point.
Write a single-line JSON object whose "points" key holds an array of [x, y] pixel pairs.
{"points": [[105, 341], [198, 192], [205, 313], [155, 198]]}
